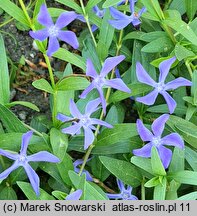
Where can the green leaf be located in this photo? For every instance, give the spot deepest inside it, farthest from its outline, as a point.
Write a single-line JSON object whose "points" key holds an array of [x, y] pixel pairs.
{"points": [[189, 196], [163, 44], [134, 35], [59, 195], [59, 143], [44, 85], [143, 163], [178, 5], [4, 74], [10, 121], [72, 83], [126, 172], [30, 194], [190, 156], [190, 111], [72, 58], [136, 89], [91, 4], [14, 11], [171, 193], [23, 103], [152, 182], [184, 177], [182, 28], [191, 8], [8, 194], [109, 3], [154, 8], [156, 163], [194, 83], [182, 53], [160, 190], [105, 37], [71, 4], [178, 155]]}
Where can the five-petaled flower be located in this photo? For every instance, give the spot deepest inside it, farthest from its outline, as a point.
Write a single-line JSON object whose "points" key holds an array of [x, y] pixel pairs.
{"points": [[121, 20], [125, 193], [76, 195], [160, 87], [83, 121], [22, 159], [155, 139], [54, 31], [99, 81], [77, 170]]}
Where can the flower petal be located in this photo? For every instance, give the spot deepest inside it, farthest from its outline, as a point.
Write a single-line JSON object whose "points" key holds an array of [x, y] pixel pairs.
{"points": [[53, 46], [44, 17], [111, 63], [87, 90], [170, 101], [117, 83], [149, 99], [65, 18], [6, 172], [145, 151], [119, 24], [40, 35], [114, 196], [164, 68], [177, 83], [135, 21], [116, 14], [165, 155], [120, 185], [69, 37], [25, 141], [63, 118], [100, 122], [90, 70], [144, 133], [159, 124], [132, 197], [75, 195], [103, 101], [72, 129], [173, 139], [43, 156], [143, 10], [74, 110], [143, 76], [89, 137], [92, 106], [33, 178], [8, 154], [132, 5]]}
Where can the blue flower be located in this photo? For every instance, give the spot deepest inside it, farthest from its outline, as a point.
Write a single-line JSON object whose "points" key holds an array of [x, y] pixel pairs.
{"points": [[53, 31], [22, 159], [125, 193], [121, 20], [83, 121], [155, 139], [75, 195]]}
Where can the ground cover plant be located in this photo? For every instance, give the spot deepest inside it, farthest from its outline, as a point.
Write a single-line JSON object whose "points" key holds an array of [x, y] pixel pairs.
{"points": [[122, 110]]}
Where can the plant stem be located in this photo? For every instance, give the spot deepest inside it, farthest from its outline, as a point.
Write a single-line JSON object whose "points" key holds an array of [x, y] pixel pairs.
{"points": [[143, 194], [119, 45], [25, 12], [50, 71], [87, 21]]}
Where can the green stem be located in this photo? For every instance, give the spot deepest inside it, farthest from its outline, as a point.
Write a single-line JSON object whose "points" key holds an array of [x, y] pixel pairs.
{"points": [[119, 45], [187, 64], [87, 21], [143, 194], [50, 71], [169, 32], [2, 162], [25, 12], [6, 22]]}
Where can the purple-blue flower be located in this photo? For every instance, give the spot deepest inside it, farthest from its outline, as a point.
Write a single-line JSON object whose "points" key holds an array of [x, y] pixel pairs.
{"points": [[154, 139], [22, 159], [54, 31], [161, 87], [77, 170], [76, 195], [125, 193], [121, 20], [83, 121], [99, 81]]}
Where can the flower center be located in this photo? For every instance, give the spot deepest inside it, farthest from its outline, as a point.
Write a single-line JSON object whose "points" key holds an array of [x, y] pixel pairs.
{"points": [[53, 31], [156, 141], [160, 86], [125, 195], [135, 14], [22, 158], [99, 81], [85, 120]]}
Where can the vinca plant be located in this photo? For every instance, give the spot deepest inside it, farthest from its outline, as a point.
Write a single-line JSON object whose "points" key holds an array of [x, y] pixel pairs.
{"points": [[122, 122]]}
